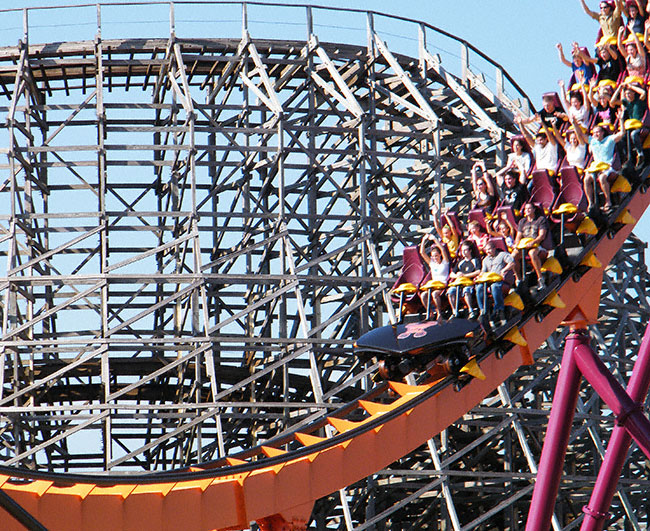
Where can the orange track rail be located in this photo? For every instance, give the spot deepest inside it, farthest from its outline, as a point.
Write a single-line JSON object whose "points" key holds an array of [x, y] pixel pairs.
{"points": [[279, 491]]}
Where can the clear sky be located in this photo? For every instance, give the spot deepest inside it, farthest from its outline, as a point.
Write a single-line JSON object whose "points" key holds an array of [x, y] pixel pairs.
{"points": [[519, 34]]}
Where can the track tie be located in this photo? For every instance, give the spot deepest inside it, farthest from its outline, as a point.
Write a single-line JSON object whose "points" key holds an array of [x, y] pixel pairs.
{"points": [[269, 451], [625, 218], [591, 260], [308, 440], [554, 300], [514, 336], [514, 299], [78, 489], [587, 226], [621, 185], [405, 389], [193, 484], [552, 265], [472, 368], [233, 461], [154, 488], [375, 408], [343, 425]]}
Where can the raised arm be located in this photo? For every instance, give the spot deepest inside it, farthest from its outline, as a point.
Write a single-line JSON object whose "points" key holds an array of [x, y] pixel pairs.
{"points": [[625, 11], [422, 250], [592, 98], [549, 135], [558, 136], [619, 40], [616, 97], [489, 227], [563, 92], [452, 227], [580, 134], [524, 131], [589, 12], [475, 179], [640, 7], [639, 90], [612, 51], [498, 176], [588, 59], [621, 130], [489, 184], [560, 52], [435, 213], [640, 48], [443, 250]]}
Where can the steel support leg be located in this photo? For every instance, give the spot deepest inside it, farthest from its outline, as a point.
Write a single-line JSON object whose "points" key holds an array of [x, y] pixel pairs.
{"points": [[557, 439], [619, 443]]}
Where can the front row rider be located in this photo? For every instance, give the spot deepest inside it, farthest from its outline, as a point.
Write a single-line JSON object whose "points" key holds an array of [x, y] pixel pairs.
{"points": [[438, 262], [499, 262]]}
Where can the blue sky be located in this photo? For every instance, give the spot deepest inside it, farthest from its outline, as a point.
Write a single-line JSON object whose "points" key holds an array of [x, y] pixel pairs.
{"points": [[519, 34]]}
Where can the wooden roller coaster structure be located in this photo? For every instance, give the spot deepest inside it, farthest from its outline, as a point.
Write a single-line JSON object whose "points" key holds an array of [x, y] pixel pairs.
{"points": [[195, 231]]}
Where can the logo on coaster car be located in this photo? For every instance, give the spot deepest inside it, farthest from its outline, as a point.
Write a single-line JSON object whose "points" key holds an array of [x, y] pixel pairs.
{"points": [[416, 330]]}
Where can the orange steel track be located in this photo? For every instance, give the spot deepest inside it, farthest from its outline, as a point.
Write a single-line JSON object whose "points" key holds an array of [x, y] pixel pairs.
{"points": [[277, 488]]}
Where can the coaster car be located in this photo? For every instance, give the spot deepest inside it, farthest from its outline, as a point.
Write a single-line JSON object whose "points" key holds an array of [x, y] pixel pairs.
{"points": [[443, 347]]}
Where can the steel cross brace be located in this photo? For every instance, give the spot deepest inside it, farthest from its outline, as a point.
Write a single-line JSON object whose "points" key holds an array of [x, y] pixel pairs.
{"points": [[579, 360]]}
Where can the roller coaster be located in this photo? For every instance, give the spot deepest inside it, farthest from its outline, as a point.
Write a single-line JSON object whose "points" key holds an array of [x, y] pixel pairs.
{"points": [[196, 232]]}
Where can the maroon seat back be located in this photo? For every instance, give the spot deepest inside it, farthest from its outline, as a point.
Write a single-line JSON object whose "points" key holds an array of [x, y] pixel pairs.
{"points": [[557, 101], [544, 197], [499, 243], [478, 215], [571, 191], [509, 212], [542, 179], [413, 270], [452, 217]]}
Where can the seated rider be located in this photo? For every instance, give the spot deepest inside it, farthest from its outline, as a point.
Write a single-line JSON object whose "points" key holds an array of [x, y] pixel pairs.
{"points": [[602, 147], [609, 18], [476, 234], [575, 145], [633, 53], [499, 262], [502, 227], [484, 195], [531, 233], [608, 62], [578, 110], [544, 147], [601, 99], [519, 159], [550, 113], [511, 191], [438, 262], [633, 99], [447, 232], [578, 64], [468, 266], [636, 16]]}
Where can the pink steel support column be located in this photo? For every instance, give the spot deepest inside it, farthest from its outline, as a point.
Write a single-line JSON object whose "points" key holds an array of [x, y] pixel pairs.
{"points": [[619, 443], [580, 359], [557, 438], [629, 414]]}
